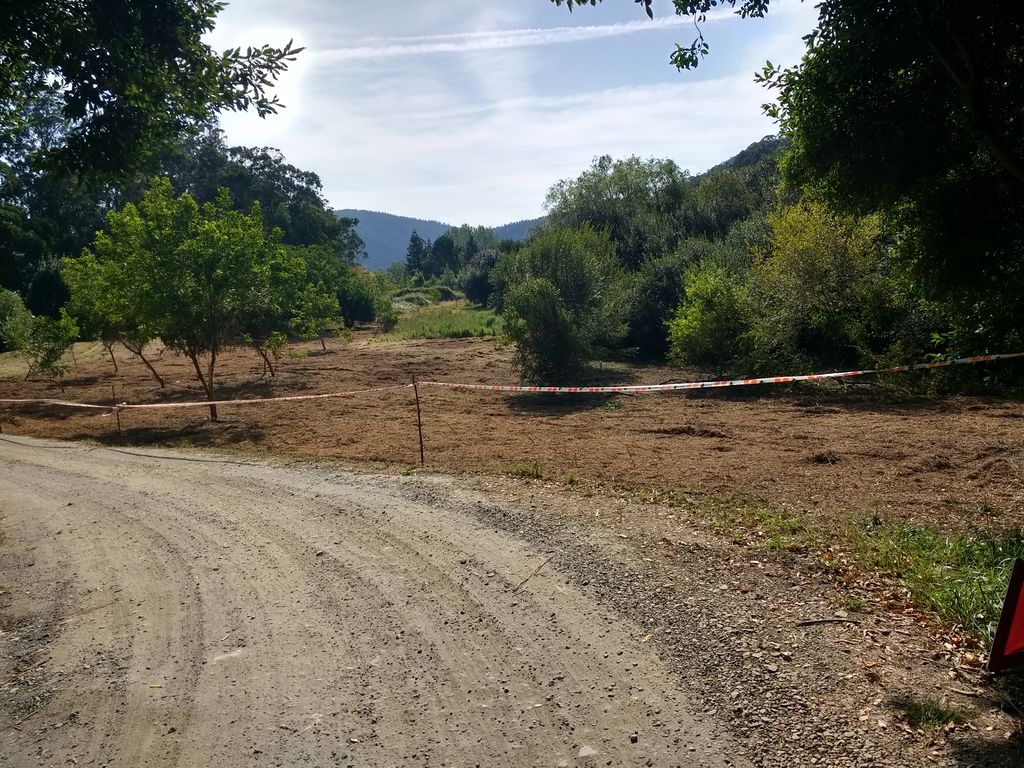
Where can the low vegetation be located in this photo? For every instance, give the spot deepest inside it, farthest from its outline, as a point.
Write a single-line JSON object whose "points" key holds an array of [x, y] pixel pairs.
{"points": [[961, 578], [447, 320]]}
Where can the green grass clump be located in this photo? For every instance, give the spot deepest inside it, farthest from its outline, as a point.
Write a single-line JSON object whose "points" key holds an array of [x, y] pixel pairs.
{"points": [[451, 320], [533, 471], [961, 578], [776, 529], [928, 713]]}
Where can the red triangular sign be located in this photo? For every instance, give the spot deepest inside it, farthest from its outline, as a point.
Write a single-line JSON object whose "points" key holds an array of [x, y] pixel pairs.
{"points": [[1008, 645]]}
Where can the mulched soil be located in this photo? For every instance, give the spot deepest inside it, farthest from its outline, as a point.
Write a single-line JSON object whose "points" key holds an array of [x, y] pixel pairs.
{"points": [[825, 453]]}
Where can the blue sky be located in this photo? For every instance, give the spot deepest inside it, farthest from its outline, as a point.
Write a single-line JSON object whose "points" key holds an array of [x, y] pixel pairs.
{"points": [[467, 111]]}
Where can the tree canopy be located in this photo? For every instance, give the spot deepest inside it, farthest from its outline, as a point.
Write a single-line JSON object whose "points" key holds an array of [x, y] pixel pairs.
{"points": [[130, 77], [913, 111]]}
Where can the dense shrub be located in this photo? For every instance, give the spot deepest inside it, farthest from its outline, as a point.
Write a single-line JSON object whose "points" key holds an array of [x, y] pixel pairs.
{"points": [[709, 325], [824, 292], [357, 295], [570, 280], [657, 289], [548, 342]]}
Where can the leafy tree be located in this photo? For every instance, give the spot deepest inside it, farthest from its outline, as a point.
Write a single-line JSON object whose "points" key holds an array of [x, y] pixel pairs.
{"points": [[108, 291], [657, 289], [476, 276], [291, 199], [359, 297], [928, 99], [913, 111], [15, 321], [21, 248], [317, 313], [571, 281], [46, 342], [549, 347], [826, 293], [201, 272], [130, 77], [636, 201]]}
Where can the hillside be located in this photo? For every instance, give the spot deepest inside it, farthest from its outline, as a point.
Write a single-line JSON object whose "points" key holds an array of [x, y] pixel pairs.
{"points": [[387, 236]]}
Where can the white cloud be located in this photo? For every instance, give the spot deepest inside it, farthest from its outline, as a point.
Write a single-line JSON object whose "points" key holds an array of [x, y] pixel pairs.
{"points": [[489, 40], [467, 138]]}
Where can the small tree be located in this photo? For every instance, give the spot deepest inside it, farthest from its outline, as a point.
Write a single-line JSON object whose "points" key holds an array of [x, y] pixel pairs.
{"points": [[106, 293], [46, 344], [570, 278], [317, 314], [548, 343], [15, 322], [198, 275]]}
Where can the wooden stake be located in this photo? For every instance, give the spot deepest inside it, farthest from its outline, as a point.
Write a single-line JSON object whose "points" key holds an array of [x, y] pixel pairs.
{"points": [[419, 417], [117, 413]]}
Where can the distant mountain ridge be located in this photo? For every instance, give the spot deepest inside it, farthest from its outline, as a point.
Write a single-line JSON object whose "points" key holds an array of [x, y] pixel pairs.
{"points": [[386, 235]]}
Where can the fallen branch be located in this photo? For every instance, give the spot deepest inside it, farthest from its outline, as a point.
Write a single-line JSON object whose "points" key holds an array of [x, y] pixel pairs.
{"points": [[520, 584], [962, 692], [809, 622]]}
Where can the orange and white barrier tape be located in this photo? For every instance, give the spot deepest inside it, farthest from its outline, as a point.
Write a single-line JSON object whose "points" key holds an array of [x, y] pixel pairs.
{"points": [[620, 389], [640, 388], [111, 409]]}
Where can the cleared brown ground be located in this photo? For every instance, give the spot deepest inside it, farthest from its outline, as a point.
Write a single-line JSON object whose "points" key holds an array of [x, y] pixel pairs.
{"points": [[824, 452]]}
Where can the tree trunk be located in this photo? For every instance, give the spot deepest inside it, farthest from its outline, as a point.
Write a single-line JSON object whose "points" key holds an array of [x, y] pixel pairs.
{"points": [[323, 343], [110, 351], [213, 408], [137, 351], [205, 381], [267, 365]]}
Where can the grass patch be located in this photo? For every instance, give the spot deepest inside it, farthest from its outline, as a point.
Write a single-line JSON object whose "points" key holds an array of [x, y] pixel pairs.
{"points": [[928, 713], [450, 320], [773, 528], [961, 578], [533, 471]]}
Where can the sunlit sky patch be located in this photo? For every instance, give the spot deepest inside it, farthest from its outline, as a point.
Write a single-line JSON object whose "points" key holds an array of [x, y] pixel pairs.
{"points": [[467, 111]]}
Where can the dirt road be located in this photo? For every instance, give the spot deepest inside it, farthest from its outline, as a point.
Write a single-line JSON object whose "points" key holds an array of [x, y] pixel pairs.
{"points": [[184, 610]]}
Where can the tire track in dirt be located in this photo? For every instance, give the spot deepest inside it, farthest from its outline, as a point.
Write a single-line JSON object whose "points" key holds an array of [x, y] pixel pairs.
{"points": [[300, 614]]}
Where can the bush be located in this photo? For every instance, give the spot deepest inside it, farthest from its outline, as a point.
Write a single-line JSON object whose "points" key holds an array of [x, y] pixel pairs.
{"points": [[15, 322], [357, 295], [708, 326], [570, 282], [658, 287], [548, 343], [825, 294], [47, 342]]}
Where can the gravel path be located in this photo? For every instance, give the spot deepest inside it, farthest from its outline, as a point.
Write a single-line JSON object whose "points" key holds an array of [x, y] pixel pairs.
{"points": [[184, 610]]}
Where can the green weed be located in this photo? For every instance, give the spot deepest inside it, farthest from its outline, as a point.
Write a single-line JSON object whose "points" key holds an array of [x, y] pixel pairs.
{"points": [[533, 471], [775, 529], [961, 578]]}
